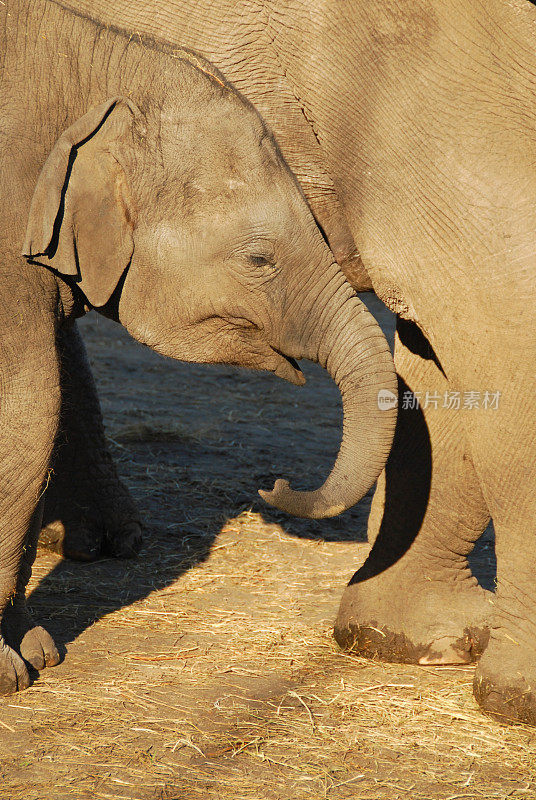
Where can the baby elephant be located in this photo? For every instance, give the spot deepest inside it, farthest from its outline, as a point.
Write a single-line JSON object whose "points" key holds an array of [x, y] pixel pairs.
{"points": [[157, 196]]}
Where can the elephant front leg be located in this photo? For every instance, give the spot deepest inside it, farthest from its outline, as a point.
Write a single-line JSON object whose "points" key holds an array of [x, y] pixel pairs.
{"points": [[30, 407], [88, 511], [415, 599], [31, 641], [504, 441]]}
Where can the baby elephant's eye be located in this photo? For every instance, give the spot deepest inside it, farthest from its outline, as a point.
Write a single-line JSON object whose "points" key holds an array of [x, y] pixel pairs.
{"points": [[261, 261]]}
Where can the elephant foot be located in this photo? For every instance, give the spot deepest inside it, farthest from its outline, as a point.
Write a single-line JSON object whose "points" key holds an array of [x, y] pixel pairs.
{"points": [[14, 676], [406, 619], [82, 540], [505, 682], [34, 644], [123, 542], [76, 541]]}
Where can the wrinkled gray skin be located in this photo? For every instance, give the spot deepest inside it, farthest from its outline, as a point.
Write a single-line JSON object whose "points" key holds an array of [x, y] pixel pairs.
{"points": [[411, 127], [156, 194]]}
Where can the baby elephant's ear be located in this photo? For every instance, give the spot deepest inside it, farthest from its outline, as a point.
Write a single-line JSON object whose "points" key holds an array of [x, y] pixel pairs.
{"points": [[81, 216]]}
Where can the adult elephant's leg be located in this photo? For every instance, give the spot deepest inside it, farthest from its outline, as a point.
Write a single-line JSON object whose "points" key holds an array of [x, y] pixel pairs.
{"points": [[504, 441], [415, 599], [88, 511], [30, 409], [31, 641]]}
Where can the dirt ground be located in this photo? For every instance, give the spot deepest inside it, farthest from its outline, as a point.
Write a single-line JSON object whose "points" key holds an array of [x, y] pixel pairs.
{"points": [[206, 668]]}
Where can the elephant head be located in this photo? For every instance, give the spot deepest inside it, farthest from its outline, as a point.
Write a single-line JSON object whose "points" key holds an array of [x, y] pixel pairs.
{"points": [[182, 210]]}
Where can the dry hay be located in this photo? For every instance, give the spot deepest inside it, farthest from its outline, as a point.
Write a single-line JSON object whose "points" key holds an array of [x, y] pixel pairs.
{"points": [[225, 682]]}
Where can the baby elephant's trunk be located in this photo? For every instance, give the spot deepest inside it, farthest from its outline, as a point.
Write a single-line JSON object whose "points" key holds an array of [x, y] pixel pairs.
{"points": [[346, 340]]}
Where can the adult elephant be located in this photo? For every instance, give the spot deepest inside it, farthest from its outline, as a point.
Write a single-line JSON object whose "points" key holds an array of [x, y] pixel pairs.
{"points": [[411, 127]]}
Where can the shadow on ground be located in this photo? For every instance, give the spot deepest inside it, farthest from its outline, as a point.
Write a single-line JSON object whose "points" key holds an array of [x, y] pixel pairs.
{"points": [[194, 443]]}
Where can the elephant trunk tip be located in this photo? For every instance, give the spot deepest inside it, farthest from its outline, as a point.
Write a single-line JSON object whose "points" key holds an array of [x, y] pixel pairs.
{"points": [[310, 505]]}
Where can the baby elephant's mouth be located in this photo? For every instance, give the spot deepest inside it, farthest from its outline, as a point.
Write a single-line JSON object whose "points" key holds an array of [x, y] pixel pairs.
{"points": [[266, 356], [288, 369]]}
